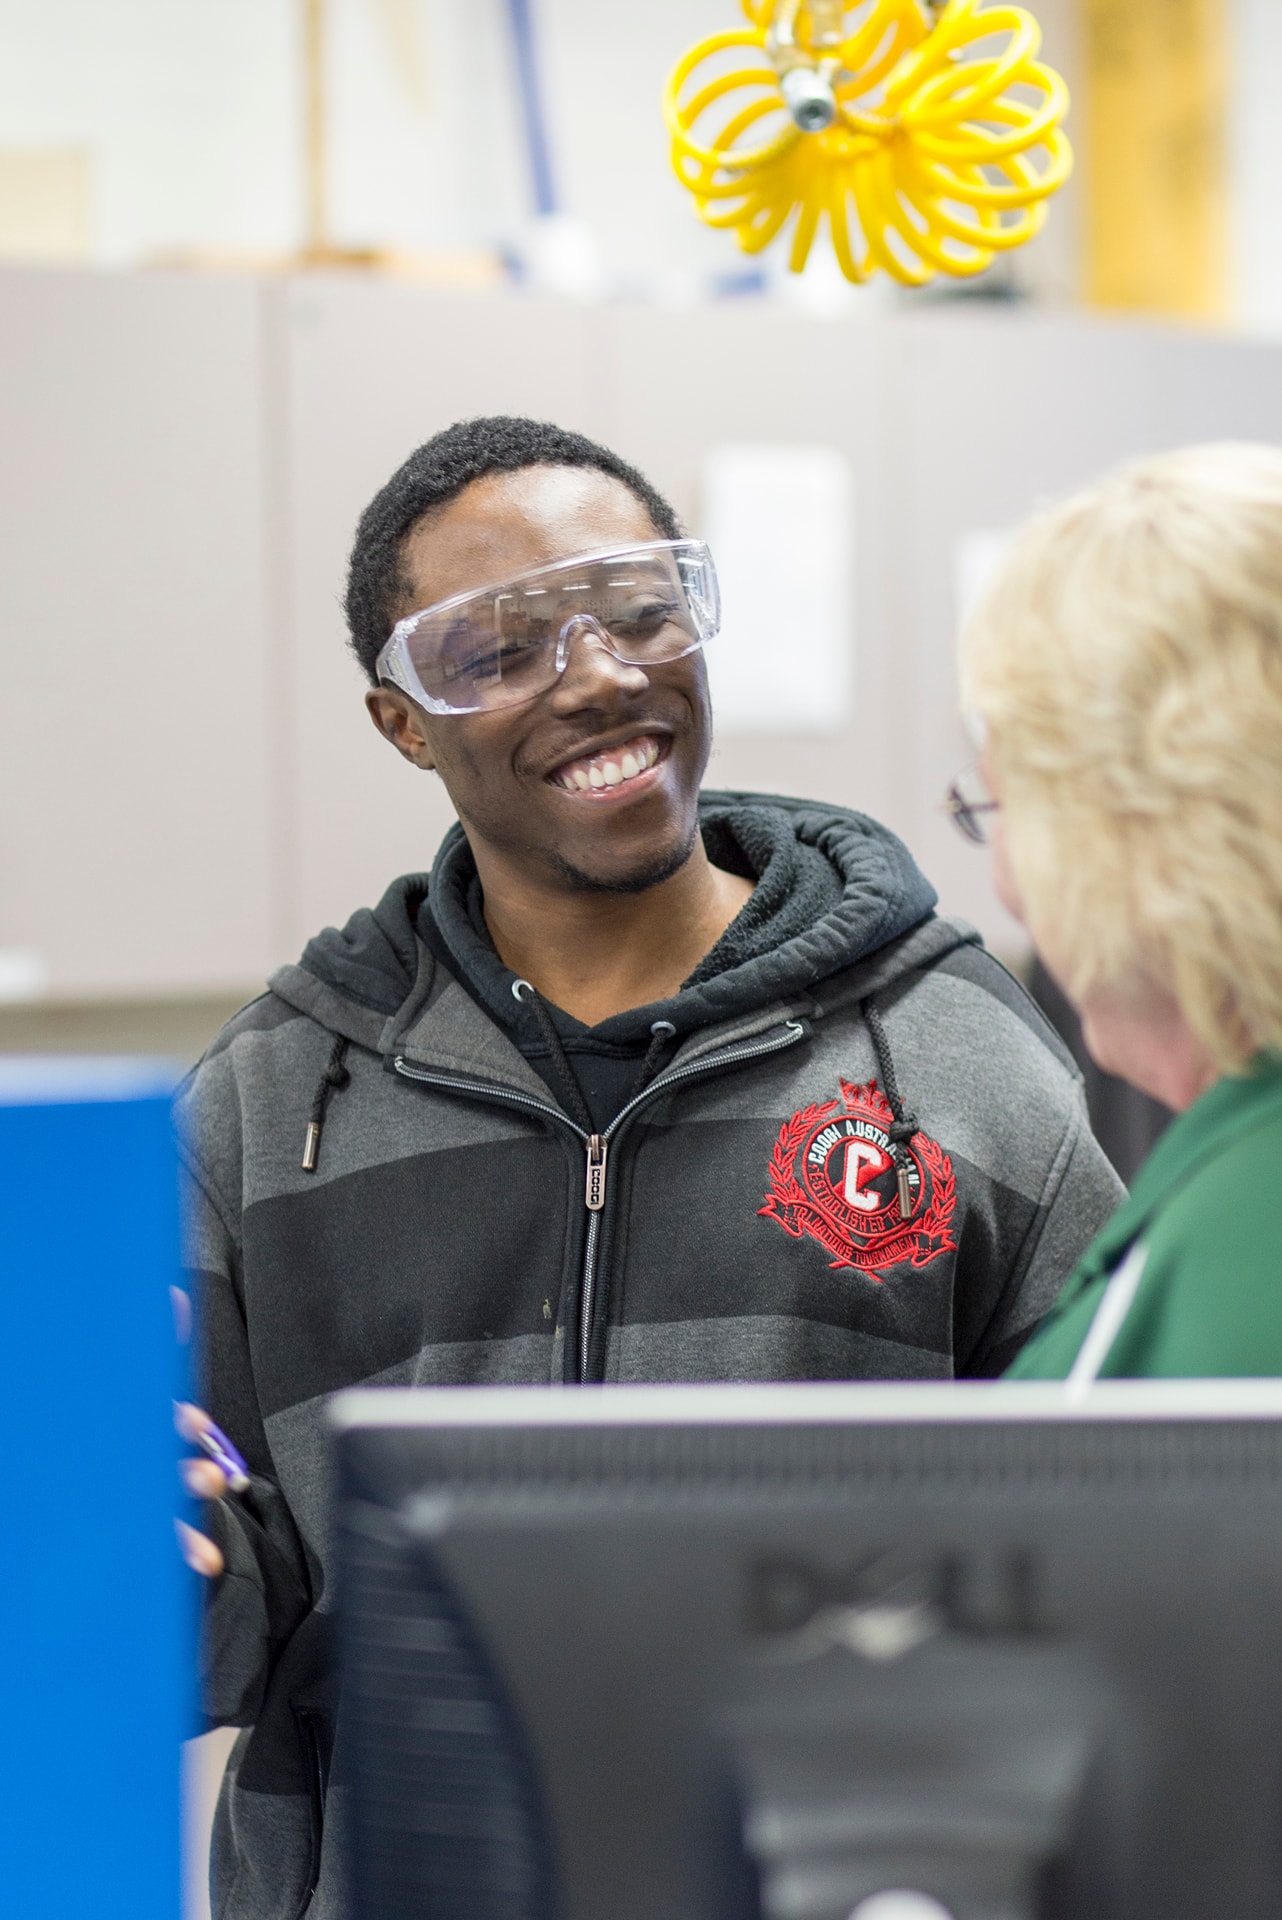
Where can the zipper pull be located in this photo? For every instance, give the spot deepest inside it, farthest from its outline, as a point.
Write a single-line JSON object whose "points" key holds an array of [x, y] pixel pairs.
{"points": [[594, 1196]]}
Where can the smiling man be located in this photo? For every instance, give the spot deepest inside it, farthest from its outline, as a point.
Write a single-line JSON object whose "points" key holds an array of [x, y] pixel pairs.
{"points": [[636, 1084]]}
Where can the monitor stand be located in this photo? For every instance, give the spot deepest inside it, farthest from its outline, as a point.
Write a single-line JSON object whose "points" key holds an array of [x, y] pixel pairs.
{"points": [[953, 1769]]}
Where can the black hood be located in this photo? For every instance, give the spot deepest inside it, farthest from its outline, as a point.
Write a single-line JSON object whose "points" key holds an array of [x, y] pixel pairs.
{"points": [[832, 887]]}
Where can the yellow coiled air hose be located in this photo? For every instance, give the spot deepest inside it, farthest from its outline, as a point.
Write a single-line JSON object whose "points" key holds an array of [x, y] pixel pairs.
{"points": [[928, 151]]}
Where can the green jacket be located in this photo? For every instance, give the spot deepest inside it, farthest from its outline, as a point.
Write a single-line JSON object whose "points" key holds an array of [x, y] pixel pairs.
{"points": [[1202, 1229]]}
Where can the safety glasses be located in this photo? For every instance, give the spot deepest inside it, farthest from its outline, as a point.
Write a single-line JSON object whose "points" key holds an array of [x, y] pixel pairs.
{"points": [[503, 645]]}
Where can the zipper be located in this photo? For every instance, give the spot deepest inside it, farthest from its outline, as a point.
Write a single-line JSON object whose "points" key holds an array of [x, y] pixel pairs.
{"points": [[594, 1191], [597, 1145], [525, 1103], [736, 1056]]}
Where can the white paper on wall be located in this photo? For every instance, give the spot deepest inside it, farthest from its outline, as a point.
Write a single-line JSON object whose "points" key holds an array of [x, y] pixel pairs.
{"points": [[24, 975], [976, 559], [780, 521]]}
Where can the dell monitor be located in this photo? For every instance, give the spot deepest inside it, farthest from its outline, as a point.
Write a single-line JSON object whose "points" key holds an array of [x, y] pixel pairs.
{"points": [[803, 1653]]}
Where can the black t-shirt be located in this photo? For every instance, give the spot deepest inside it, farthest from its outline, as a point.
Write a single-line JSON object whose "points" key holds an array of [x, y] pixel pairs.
{"points": [[795, 885]]}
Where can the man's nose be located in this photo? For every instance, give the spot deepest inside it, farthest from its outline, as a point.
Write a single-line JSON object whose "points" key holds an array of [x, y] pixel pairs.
{"points": [[591, 672]]}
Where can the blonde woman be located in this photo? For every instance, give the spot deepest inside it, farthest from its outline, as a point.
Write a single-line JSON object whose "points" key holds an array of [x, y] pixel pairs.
{"points": [[1126, 673]]}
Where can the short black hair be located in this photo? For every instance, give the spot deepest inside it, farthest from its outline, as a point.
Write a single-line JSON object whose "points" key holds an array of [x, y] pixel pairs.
{"points": [[437, 472]]}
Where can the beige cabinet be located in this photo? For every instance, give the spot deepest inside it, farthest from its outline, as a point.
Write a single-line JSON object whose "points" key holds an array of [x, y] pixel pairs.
{"points": [[137, 836]]}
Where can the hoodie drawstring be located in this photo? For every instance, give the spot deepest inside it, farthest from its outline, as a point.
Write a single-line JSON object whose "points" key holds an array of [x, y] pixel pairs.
{"points": [[903, 1125], [661, 1032], [332, 1080], [571, 1092]]}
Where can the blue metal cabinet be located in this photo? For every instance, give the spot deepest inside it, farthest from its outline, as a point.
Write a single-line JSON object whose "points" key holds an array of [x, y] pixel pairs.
{"points": [[95, 1633]]}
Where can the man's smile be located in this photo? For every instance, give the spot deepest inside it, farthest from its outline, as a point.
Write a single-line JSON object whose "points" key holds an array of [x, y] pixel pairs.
{"points": [[606, 772]]}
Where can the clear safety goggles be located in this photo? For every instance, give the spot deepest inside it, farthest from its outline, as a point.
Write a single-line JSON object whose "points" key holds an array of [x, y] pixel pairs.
{"points": [[500, 646]]}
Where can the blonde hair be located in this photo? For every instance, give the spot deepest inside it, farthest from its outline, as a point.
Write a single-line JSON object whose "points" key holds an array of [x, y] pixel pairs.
{"points": [[1127, 663]]}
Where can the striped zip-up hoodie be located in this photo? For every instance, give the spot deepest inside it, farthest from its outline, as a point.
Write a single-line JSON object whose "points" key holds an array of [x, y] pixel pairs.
{"points": [[863, 1155]]}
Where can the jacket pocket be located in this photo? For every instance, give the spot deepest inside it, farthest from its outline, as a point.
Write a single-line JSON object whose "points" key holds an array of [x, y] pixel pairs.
{"points": [[316, 1741]]}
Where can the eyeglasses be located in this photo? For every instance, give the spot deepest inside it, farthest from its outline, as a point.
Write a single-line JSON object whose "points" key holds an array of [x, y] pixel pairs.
{"points": [[504, 645], [966, 804]]}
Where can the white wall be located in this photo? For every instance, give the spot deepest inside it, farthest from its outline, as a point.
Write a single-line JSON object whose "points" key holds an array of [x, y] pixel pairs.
{"points": [[190, 113]]}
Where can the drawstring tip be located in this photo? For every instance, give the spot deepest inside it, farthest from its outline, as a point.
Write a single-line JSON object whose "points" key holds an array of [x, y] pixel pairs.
{"points": [[905, 1192], [333, 1080]]}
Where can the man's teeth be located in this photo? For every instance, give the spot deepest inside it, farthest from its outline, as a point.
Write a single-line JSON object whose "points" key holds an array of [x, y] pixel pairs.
{"points": [[608, 769]]}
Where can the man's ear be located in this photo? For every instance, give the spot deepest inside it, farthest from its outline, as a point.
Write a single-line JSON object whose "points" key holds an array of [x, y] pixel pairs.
{"points": [[400, 721]]}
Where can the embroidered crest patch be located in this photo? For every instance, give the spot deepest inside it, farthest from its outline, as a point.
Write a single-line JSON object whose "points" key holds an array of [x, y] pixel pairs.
{"points": [[832, 1175]]}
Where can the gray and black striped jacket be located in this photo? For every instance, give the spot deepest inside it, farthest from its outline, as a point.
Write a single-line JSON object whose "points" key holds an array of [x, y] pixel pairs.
{"points": [[755, 1225]]}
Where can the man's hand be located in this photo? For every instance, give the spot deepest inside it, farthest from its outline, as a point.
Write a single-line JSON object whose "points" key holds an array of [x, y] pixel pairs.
{"points": [[204, 1481]]}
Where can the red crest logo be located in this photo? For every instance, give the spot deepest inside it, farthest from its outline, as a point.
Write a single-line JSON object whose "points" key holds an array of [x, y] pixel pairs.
{"points": [[832, 1175]]}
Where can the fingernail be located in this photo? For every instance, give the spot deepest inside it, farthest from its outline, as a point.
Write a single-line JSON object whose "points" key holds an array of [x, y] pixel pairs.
{"points": [[203, 1479], [181, 1304]]}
